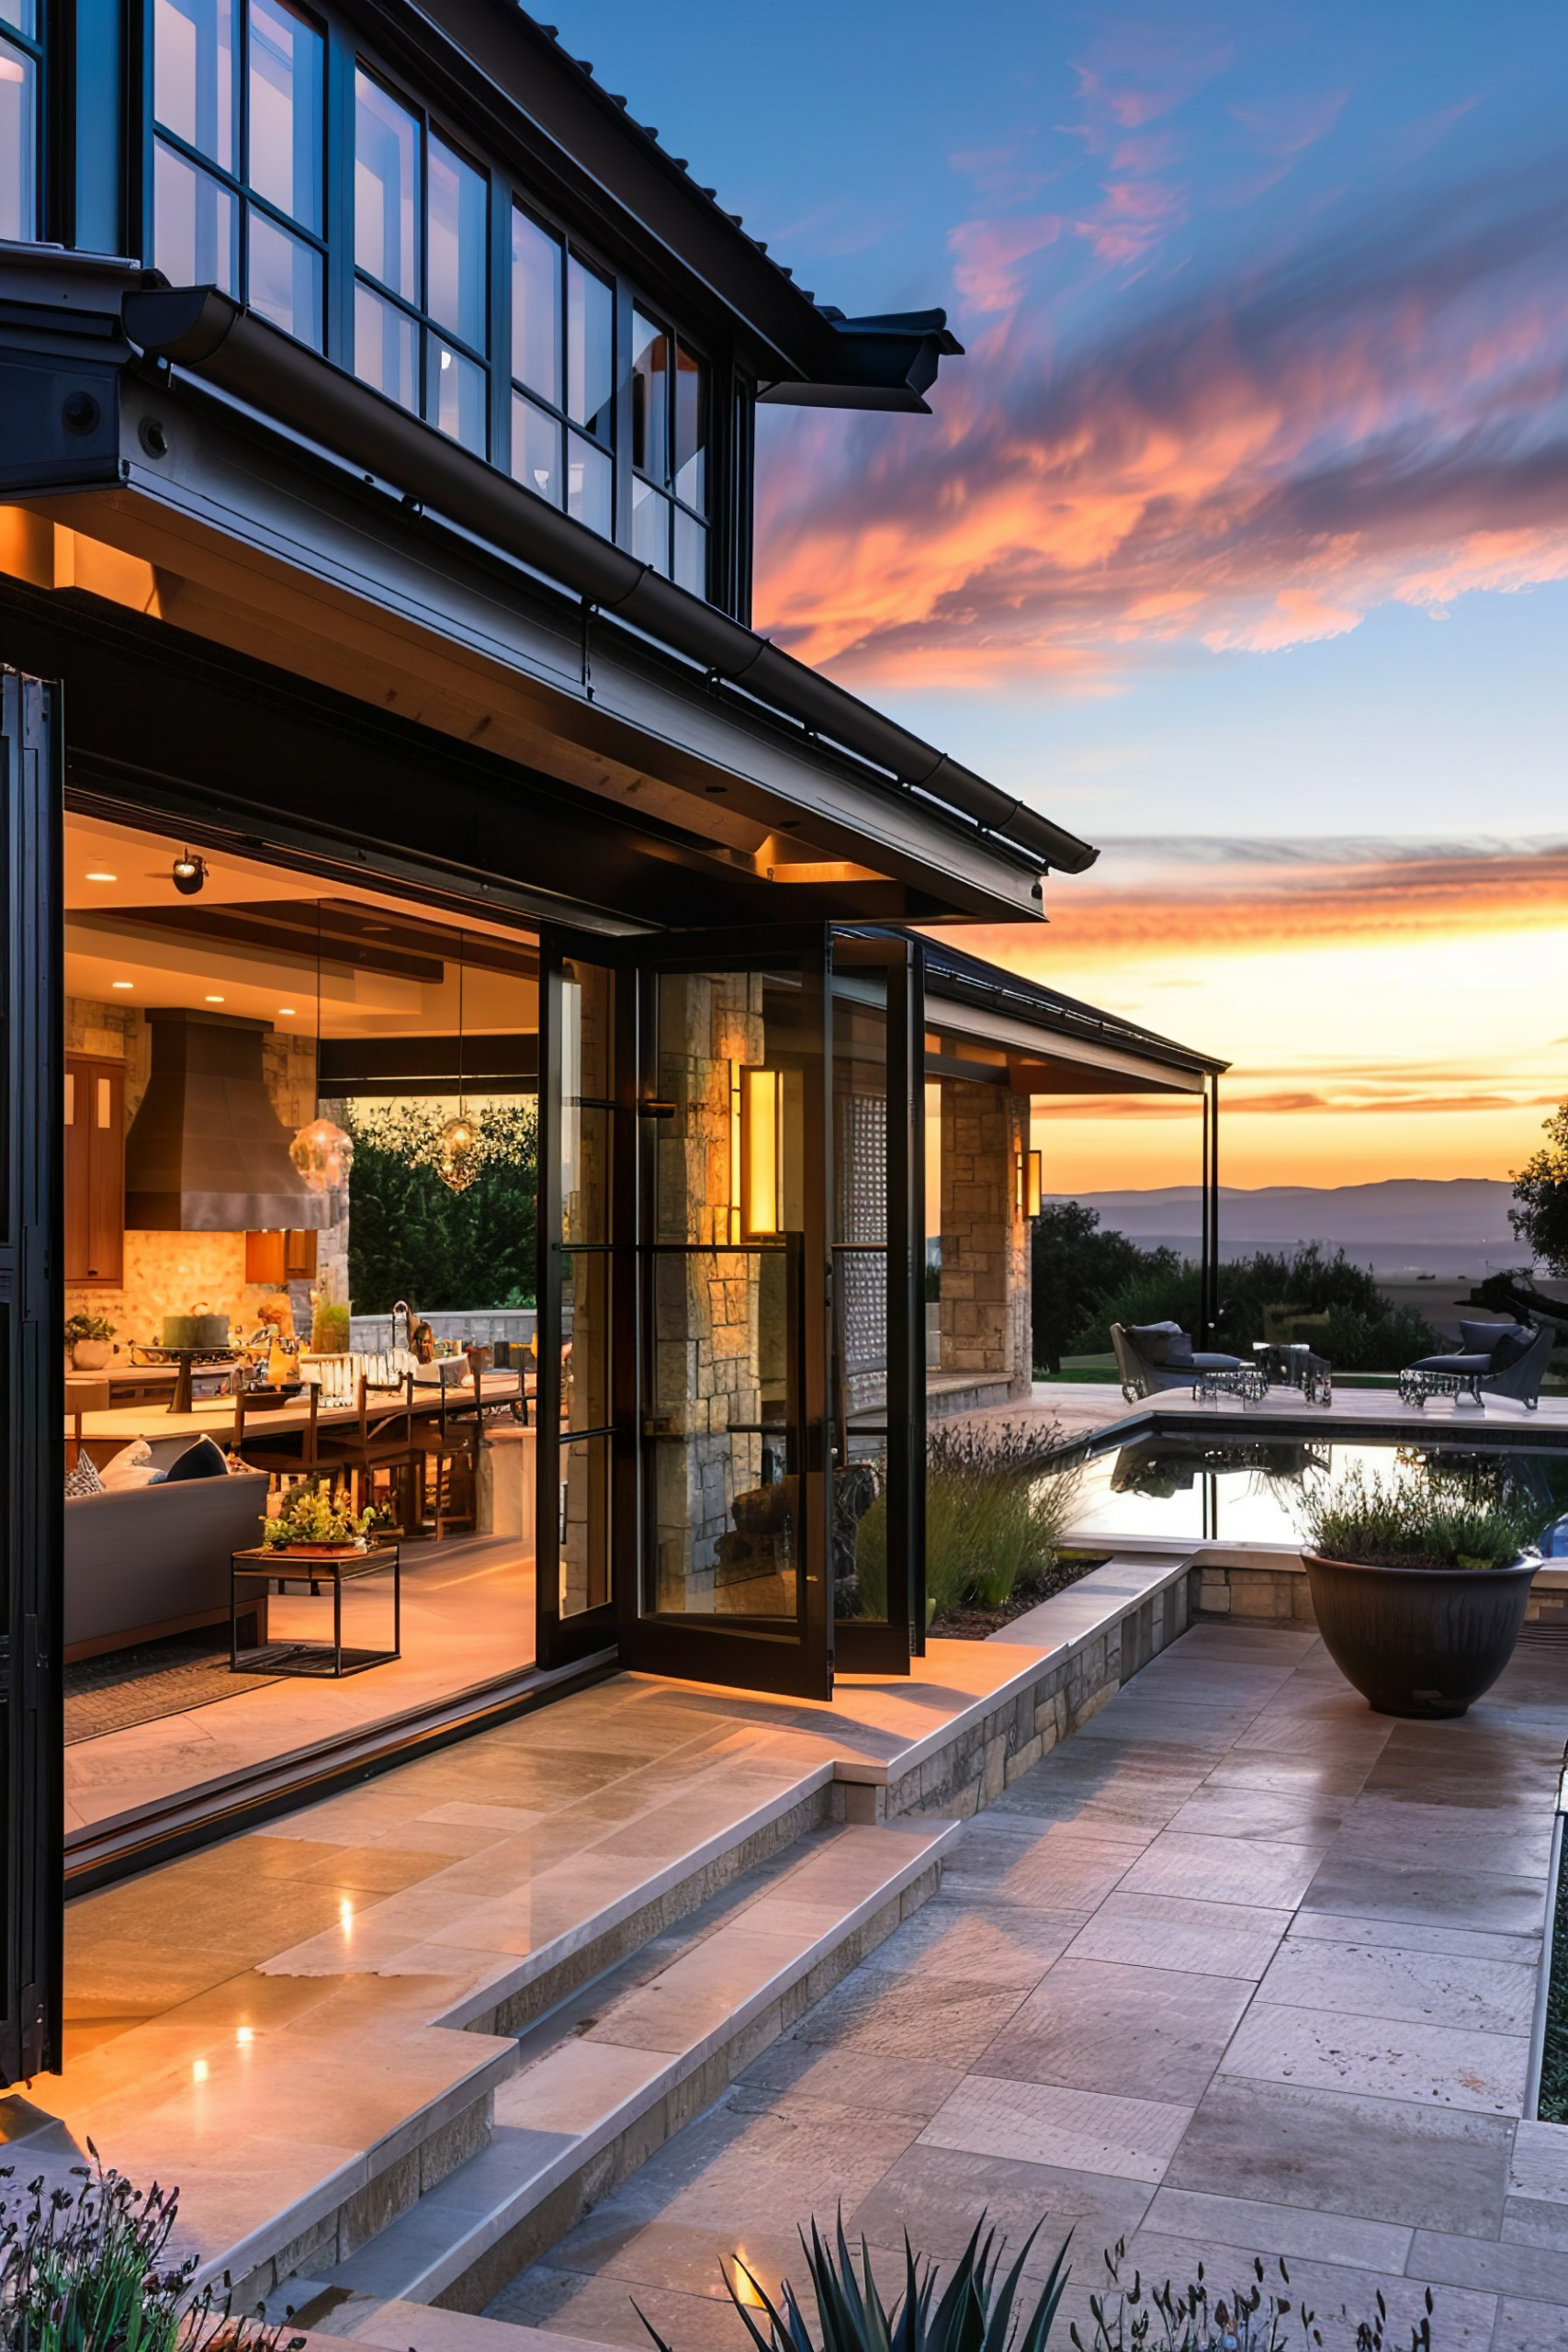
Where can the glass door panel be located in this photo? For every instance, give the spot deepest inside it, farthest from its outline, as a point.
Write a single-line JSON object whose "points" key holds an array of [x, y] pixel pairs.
{"points": [[876, 1396], [733, 1165], [580, 1123]]}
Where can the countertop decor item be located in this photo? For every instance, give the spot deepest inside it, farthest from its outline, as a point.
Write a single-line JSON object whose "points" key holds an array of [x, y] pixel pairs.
{"points": [[1420, 1582], [90, 1339], [199, 1329]]}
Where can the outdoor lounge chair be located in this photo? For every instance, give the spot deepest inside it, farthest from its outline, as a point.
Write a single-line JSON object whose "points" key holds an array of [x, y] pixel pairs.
{"points": [[1151, 1356], [1503, 1359]]}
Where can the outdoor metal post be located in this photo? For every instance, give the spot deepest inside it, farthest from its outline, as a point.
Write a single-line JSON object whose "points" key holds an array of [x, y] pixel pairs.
{"points": [[1205, 1268], [1213, 1206]]}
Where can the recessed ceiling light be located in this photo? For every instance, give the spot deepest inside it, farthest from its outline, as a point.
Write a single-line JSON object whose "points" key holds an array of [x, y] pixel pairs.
{"points": [[100, 875], [286, 1008], [122, 984], [214, 999]]}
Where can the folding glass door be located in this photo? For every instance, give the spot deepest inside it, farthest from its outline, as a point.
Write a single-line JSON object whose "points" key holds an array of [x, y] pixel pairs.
{"points": [[31, 1444], [726, 1425]]}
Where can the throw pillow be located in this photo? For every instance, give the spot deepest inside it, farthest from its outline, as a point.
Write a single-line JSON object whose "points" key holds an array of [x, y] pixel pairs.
{"points": [[1514, 1341], [131, 1467], [1480, 1339], [202, 1460], [82, 1478], [1151, 1339]]}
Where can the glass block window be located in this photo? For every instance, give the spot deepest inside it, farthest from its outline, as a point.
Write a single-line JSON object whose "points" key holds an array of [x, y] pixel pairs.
{"points": [[239, 155], [21, 75], [421, 253], [563, 376]]}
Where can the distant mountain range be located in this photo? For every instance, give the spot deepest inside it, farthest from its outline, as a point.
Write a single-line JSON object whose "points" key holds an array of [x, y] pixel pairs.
{"points": [[1408, 1224]]}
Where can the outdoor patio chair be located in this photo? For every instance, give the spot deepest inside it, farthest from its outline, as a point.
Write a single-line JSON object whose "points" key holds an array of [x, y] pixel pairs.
{"points": [[1152, 1356], [1501, 1359]]}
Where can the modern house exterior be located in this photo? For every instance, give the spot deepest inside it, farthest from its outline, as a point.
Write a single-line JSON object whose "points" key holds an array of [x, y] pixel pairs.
{"points": [[377, 414]]}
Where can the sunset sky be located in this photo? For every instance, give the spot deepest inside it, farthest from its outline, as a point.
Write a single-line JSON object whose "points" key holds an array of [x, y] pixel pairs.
{"points": [[1238, 542]]}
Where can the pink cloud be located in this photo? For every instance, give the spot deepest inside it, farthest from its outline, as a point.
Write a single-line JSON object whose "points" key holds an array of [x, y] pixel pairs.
{"points": [[989, 257], [1288, 126], [1382, 419]]}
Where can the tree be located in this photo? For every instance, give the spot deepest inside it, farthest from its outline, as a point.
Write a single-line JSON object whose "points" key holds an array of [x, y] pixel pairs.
{"points": [[1074, 1264], [409, 1236], [1540, 1188]]}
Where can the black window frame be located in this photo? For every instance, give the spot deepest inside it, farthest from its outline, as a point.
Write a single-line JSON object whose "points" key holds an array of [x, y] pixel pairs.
{"points": [[509, 191], [607, 443], [664, 485], [237, 184], [35, 45], [428, 328]]}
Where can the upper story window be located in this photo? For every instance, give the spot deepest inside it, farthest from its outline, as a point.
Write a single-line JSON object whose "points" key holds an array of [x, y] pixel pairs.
{"points": [[421, 251], [669, 455], [21, 60], [239, 155], [563, 376]]}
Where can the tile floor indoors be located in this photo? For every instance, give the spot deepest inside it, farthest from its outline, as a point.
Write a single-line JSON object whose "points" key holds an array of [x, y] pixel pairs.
{"points": [[468, 1616], [1240, 1967]]}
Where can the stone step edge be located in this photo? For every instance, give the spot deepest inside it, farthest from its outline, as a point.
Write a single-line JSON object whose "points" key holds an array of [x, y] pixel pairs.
{"points": [[538, 1983], [383, 2272]]}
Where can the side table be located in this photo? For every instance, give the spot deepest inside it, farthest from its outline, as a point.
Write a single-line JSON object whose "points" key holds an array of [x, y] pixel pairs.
{"points": [[1247, 1383], [1292, 1364], [277, 1571]]}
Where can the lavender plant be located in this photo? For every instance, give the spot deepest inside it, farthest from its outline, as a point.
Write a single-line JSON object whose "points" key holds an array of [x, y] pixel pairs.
{"points": [[93, 2272]]}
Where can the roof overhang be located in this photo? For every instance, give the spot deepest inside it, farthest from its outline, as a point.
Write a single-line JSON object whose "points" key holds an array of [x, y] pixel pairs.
{"points": [[991, 1025], [413, 577]]}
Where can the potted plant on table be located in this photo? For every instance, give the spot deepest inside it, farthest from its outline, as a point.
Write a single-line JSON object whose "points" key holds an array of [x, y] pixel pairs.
{"points": [[88, 1339], [320, 1522], [1420, 1581]]}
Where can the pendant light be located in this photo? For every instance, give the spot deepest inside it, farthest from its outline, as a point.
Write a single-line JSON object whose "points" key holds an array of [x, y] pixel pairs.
{"points": [[459, 1163], [323, 1151]]}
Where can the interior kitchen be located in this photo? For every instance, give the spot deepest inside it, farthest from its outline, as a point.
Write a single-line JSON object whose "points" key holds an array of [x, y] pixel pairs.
{"points": [[298, 1418]]}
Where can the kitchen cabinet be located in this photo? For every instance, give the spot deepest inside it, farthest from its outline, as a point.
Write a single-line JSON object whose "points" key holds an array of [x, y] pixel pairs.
{"points": [[279, 1258], [94, 1172]]}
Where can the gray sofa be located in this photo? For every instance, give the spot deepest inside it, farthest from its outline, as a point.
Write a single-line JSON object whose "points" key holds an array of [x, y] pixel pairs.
{"points": [[1151, 1356], [144, 1561]]}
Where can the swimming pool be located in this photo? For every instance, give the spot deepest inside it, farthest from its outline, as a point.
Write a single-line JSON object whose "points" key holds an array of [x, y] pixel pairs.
{"points": [[1250, 1491]]}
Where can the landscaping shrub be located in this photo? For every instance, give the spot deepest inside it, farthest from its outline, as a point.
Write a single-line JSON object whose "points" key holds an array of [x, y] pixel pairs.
{"points": [[91, 2273], [999, 1502], [982, 2309], [1363, 1333]]}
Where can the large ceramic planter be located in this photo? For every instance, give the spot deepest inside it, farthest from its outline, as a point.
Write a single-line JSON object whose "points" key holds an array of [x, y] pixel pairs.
{"points": [[1420, 1641], [91, 1355]]}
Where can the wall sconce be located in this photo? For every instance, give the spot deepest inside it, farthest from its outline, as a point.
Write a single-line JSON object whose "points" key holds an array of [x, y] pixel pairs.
{"points": [[756, 1152], [1030, 1180]]}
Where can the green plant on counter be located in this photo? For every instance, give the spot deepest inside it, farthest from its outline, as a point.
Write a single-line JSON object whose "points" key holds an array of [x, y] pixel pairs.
{"points": [[329, 1327], [1429, 1516], [93, 2273], [88, 1327], [318, 1515], [998, 1502]]}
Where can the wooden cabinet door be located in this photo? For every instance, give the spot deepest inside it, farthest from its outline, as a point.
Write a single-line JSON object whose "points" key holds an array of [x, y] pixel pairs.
{"points": [[95, 1171]]}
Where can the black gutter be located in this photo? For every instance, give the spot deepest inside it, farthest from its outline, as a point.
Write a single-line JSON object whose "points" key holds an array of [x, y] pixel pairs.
{"points": [[203, 330]]}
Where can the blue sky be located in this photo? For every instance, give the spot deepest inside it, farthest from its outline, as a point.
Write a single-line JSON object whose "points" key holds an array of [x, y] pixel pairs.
{"points": [[1246, 513]]}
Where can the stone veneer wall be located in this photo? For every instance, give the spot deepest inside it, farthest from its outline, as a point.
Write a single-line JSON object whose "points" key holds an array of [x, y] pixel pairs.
{"points": [[986, 1322], [165, 1274]]}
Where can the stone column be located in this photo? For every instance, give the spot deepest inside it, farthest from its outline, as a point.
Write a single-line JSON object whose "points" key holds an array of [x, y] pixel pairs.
{"points": [[985, 1239]]}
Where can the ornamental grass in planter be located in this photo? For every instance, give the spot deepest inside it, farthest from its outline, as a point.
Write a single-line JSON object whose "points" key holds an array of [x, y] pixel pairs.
{"points": [[1420, 1581]]}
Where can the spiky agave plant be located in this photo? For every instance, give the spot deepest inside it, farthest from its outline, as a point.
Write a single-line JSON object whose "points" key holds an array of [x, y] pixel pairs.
{"points": [[978, 2309], [91, 2272]]}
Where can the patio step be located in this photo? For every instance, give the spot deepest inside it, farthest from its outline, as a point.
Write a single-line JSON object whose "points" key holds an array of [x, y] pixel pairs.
{"points": [[618, 2068]]}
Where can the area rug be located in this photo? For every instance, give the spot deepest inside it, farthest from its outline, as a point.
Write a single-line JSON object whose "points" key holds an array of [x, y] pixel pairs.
{"points": [[137, 1686]]}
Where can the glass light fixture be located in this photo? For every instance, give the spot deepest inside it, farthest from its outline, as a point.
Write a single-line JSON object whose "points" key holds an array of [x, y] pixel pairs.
{"points": [[1030, 1182], [457, 1162], [321, 1151]]}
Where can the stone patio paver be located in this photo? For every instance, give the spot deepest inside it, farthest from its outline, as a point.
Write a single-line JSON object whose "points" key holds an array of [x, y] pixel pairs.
{"points": [[1241, 1969]]}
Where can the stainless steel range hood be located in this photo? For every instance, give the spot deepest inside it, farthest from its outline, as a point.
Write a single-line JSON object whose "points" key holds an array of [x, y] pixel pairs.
{"points": [[206, 1152]]}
